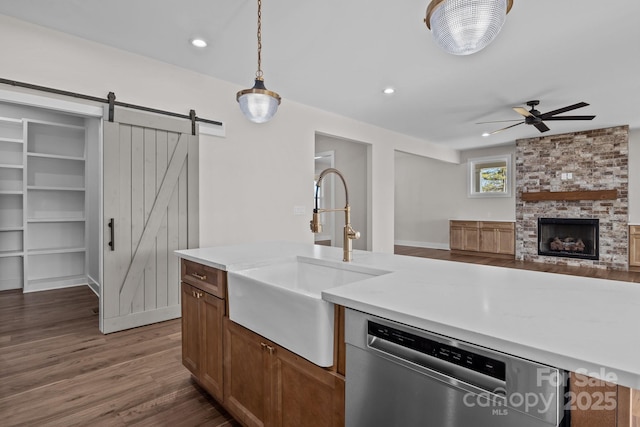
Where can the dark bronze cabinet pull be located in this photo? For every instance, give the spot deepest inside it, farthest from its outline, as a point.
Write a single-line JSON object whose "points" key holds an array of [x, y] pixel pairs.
{"points": [[112, 226]]}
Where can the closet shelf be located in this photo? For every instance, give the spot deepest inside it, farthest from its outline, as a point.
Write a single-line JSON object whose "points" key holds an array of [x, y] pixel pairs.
{"points": [[11, 166], [11, 192], [16, 228], [42, 188], [55, 124], [55, 156], [5, 254], [34, 220], [16, 140], [49, 251]]}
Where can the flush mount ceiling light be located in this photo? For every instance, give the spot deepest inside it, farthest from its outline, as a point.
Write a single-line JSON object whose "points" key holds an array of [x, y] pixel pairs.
{"points": [[388, 90], [463, 27], [258, 104], [199, 43]]}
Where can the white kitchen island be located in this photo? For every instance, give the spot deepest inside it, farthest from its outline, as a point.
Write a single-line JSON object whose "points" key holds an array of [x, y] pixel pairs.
{"points": [[578, 324]]}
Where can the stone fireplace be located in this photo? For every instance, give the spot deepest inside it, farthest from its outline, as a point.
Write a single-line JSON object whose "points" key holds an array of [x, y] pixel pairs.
{"points": [[569, 237], [583, 176]]}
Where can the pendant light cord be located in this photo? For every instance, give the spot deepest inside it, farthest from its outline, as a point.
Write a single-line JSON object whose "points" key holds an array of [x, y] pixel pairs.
{"points": [[259, 72]]}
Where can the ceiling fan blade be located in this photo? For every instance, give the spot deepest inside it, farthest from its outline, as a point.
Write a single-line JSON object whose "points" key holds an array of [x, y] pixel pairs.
{"points": [[541, 127], [522, 111], [570, 118], [508, 127], [498, 121], [563, 110]]}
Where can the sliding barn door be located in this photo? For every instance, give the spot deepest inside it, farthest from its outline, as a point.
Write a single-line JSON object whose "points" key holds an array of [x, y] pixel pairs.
{"points": [[150, 210]]}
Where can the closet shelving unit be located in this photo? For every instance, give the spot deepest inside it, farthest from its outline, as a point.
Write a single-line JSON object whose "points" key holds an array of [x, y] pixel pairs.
{"points": [[11, 202], [55, 205]]}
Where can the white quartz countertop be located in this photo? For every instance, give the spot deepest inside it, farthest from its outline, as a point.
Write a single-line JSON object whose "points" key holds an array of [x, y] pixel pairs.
{"points": [[574, 323]]}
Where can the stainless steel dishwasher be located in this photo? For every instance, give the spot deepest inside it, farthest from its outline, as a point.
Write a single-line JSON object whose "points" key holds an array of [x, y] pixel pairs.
{"points": [[400, 376]]}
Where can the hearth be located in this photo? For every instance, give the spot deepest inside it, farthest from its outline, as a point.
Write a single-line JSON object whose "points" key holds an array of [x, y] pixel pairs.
{"points": [[568, 237]]}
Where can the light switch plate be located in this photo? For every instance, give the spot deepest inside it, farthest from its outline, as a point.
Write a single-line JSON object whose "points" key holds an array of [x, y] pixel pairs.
{"points": [[299, 210]]}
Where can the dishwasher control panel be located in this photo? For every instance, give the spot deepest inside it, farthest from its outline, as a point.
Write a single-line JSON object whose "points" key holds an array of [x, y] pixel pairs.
{"points": [[451, 354]]}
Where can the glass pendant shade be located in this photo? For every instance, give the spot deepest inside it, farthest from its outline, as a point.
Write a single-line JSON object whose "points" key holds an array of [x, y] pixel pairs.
{"points": [[258, 104], [463, 27]]}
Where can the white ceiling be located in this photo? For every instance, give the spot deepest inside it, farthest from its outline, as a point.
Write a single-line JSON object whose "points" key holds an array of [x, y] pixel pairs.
{"points": [[338, 55]]}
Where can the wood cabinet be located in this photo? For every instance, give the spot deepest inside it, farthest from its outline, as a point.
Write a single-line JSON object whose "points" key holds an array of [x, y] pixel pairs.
{"points": [[464, 235], [497, 237], [597, 403], [256, 380], [267, 385], [202, 335], [634, 246], [487, 237]]}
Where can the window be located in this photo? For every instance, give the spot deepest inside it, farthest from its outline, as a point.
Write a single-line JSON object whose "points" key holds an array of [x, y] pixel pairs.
{"points": [[490, 176]]}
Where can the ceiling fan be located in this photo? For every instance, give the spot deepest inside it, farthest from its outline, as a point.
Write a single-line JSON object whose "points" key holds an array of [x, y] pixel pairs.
{"points": [[537, 119]]}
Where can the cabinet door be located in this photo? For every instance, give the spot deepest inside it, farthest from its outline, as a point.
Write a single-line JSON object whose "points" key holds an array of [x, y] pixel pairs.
{"points": [[471, 239], [593, 402], [191, 331], [247, 394], [634, 246], [212, 311], [506, 241], [456, 238], [304, 394], [489, 240]]}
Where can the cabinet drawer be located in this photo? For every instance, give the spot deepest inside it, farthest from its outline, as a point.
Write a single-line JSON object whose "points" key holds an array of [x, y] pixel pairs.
{"points": [[634, 229], [495, 225], [203, 277], [466, 224]]}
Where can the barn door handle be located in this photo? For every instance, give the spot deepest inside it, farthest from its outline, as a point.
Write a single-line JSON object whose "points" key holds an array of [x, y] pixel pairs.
{"points": [[112, 226]]}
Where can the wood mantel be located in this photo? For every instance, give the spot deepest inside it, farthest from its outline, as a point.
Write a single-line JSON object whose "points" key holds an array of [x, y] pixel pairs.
{"points": [[570, 195]]}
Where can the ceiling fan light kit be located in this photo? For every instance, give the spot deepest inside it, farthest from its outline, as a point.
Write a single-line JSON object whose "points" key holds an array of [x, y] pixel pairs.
{"points": [[258, 104], [463, 27]]}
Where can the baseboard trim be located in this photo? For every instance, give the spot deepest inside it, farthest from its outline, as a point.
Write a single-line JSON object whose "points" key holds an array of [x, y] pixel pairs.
{"points": [[482, 254], [428, 245], [94, 286]]}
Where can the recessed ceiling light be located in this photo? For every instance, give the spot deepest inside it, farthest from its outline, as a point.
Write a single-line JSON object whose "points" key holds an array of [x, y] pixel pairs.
{"points": [[388, 90], [486, 134], [199, 43]]}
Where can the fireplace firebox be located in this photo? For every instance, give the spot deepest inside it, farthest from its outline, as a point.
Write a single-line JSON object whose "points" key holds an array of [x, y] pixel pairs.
{"points": [[568, 237]]}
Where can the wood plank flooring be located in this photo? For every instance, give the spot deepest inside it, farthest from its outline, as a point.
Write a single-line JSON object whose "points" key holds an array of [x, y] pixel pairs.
{"points": [[57, 369]]}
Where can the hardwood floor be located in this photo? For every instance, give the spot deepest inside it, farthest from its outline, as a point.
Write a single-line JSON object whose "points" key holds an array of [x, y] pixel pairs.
{"points": [[57, 369], [628, 276]]}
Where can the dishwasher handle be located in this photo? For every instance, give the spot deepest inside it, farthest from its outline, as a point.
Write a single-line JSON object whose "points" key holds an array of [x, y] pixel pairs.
{"points": [[442, 370]]}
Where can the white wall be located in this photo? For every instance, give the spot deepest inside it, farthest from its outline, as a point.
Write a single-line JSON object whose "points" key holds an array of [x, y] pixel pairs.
{"points": [[251, 179], [430, 192]]}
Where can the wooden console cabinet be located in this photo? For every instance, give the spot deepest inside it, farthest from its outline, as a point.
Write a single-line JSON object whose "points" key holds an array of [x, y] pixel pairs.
{"points": [[256, 380], [486, 237]]}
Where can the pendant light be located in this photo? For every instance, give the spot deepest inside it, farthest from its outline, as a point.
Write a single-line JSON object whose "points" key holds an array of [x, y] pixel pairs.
{"points": [[463, 27], [258, 104]]}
